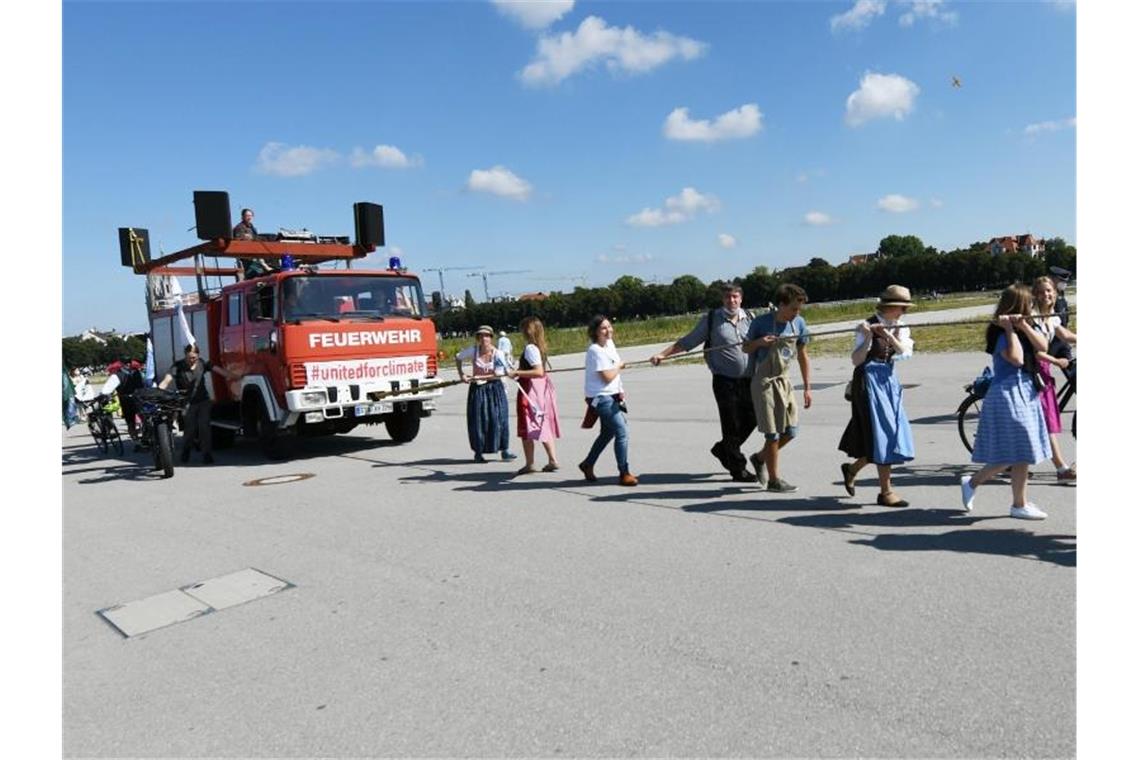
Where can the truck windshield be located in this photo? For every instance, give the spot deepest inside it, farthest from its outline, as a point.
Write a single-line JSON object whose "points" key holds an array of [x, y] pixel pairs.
{"points": [[350, 296]]}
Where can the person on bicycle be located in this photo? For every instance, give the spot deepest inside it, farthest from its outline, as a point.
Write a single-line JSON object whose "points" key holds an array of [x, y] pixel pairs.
{"points": [[189, 375], [1044, 302], [125, 378]]}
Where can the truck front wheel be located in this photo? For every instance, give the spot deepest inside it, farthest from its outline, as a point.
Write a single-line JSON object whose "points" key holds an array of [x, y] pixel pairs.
{"points": [[404, 426], [268, 435]]}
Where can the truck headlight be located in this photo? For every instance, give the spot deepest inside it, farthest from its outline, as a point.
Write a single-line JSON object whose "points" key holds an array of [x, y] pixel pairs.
{"points": [[313, 398]]}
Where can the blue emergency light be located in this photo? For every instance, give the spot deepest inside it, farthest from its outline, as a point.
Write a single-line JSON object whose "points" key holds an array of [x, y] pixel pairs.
{"points": [[287, 263], [393, 262]]}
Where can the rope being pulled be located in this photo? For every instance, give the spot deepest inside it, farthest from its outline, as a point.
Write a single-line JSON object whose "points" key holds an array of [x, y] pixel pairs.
{"points": [[701, 352]]}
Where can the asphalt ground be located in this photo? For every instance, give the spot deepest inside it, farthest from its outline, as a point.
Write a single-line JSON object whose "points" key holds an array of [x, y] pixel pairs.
{"points": [[445, 608]]}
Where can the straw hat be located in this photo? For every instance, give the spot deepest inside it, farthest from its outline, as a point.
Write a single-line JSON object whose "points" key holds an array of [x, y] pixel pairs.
{"points": [[485, 329], [895, 295]]}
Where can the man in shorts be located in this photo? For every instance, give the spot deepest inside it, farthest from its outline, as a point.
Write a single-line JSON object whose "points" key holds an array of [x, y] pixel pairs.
{"points": [[773, 341]]}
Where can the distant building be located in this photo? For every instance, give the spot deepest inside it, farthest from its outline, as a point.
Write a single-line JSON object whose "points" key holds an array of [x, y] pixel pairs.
{"points": [[862, 258], [540, 296], [1025, 243]]}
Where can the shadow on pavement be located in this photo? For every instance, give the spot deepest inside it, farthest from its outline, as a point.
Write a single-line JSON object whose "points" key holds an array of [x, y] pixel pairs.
{"points": [[1060, 550], [766, 502]]}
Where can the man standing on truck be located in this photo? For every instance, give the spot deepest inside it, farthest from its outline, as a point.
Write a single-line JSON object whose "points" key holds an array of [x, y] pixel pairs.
{"points": [[189, 375], [244, 230]]}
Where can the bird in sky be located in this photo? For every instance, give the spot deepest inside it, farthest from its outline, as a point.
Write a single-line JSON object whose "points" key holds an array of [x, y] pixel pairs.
{"points": [[955, 82]]}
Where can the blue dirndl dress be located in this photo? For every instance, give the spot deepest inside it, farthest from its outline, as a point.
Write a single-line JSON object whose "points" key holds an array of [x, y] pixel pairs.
{"points": [[1011, 427]]}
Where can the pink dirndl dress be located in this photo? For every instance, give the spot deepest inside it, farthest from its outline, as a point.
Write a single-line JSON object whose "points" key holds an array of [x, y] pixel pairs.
{"points": [[536, 407]]}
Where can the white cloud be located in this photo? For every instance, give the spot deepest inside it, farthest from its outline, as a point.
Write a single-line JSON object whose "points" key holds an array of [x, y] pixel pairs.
{"points": [[283, 160], [897, 204], [383, 156], [859, 16], [818, 219], [623, 50], [1050, 126], [534, 14], [932, 10], [726, 240], [637, 258], [678, 208], [880, 96], [499, 180], [739, 122]]}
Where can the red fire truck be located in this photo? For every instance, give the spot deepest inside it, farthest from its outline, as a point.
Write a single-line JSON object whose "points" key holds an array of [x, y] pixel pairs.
{"points": [[320, 346]]}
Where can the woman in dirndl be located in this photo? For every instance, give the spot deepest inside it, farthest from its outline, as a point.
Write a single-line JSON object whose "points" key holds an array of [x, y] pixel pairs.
{"points": [[1056, 336], [488, 430], [879, 430], [537, 404], [1011, 426]]}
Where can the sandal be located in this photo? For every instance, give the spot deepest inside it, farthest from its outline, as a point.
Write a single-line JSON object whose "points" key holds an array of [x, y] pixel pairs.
{"points": [[526, 469], [891, 499], [550, 467]]}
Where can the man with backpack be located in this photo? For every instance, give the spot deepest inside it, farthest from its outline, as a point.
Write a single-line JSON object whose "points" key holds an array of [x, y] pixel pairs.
{"points": [[722, 331]]}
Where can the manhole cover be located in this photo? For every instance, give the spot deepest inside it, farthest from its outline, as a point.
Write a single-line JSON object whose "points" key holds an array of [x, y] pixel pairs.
{"points": [[277, 480]]}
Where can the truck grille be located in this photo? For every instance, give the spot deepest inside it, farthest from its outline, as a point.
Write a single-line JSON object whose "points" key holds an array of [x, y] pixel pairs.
{"points": [[297, 376]]}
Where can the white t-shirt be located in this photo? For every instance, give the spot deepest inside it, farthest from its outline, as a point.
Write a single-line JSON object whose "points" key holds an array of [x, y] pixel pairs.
{"points": [[497, 365], [599, 358], [532, 355]]}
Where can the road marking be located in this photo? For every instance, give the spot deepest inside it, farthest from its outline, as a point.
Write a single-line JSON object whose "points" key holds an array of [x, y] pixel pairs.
{"points": [[277, 480]]}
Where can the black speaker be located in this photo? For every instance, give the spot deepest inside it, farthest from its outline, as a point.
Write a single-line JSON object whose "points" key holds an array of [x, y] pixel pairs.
{"points": [[436, 301], [369, 224], [212, 214], [134, 246]]}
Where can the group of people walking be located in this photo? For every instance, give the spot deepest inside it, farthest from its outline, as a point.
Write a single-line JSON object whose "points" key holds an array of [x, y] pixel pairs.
{"points": [[750, 359]]}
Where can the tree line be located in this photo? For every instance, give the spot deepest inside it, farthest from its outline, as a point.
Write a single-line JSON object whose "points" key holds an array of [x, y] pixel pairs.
{"points": [[92, 353], [901, 259]]}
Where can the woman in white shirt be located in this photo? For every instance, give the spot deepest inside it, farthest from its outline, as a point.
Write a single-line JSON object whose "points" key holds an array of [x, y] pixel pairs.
{"points": [[1045, 302], [488, 430], [879, 430], [605, 400]]}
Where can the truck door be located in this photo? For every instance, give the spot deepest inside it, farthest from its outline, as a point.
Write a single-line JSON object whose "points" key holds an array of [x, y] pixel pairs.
{"points": [[231, 342], [260, 333]]}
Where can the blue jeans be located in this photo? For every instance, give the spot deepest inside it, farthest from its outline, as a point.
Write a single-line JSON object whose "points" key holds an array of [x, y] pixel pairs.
{"points": [[613, 429]]}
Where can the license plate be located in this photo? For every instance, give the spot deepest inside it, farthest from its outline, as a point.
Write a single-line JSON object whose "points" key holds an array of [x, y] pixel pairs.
{"points": [[364, 410]]}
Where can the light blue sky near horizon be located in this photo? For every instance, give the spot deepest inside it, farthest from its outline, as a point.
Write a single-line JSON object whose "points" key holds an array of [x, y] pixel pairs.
{"points": [[160, 99]]}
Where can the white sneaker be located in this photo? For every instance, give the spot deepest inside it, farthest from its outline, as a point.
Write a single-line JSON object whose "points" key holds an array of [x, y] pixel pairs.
{"points": [[967, 493], [1029, 512]]}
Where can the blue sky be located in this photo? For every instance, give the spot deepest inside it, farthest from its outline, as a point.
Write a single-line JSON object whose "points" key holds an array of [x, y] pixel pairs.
{"points": [[550, 139]]}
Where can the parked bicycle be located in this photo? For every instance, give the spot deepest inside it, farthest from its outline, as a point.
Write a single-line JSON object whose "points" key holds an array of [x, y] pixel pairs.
{"points": [[971, 406], [101, 425], [158, 409]]}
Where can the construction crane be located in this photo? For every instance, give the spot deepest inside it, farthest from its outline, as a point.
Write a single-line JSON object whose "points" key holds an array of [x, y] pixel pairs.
{"points": [[485, 275], [441, 270], [581, 279]]}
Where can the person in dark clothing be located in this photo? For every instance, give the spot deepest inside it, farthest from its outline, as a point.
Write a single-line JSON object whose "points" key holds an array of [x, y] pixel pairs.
{"points": [[189, 375], [125, 378], [244, 230]]}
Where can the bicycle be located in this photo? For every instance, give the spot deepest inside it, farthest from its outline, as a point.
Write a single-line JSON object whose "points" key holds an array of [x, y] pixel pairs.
{"points": [[971, 407], [101, 425], [157, 409]]}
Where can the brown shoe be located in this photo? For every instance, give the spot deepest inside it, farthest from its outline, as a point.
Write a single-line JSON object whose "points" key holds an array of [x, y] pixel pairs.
{"points": [[891, 499], [627, 480], [588, 471]]}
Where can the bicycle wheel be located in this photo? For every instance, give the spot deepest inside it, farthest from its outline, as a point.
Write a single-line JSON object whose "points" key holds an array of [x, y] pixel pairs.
{"points": [[114, 440], [968, 413], [95, 427]]}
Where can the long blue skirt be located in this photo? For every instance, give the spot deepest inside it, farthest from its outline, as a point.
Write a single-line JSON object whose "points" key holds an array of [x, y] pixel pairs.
{"points": [[1011, 426], [488, 429], [891, 439]]}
